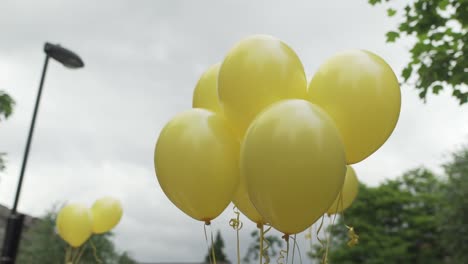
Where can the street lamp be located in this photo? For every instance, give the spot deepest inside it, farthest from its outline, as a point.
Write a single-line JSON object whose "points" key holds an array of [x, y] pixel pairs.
{"points": [[15, 220]]}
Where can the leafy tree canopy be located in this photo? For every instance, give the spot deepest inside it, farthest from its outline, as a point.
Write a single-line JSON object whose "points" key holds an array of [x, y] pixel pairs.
{"points": [[438, 56]]}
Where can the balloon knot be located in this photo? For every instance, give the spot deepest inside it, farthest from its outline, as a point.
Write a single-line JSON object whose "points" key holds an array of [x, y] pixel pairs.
{"points": [[207, 222], [285, 237]]}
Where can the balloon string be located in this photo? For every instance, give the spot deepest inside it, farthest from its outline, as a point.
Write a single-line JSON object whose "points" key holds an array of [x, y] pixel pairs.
{"points": [[67, 254], [328, 236], [294, 249], [265, 245], [212, 247], [237, 225], [98, 260], [283, 255], [308, 236], [79, 254], [322, 243], [206, 239], [296, 245], [353, 237], [260, 240]]}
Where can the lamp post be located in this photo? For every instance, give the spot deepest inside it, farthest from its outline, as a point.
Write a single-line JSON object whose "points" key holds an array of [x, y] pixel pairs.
{"points": [[15, 220]]}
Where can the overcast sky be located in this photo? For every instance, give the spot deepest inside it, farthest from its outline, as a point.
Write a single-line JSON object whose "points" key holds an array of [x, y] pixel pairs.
{"points": [[97, 126]]}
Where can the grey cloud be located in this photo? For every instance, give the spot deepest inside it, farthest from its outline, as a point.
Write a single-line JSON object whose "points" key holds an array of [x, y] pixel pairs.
{"points": [[97, 126]]}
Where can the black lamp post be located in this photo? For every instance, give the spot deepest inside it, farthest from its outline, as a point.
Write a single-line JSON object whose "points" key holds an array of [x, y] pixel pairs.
{"points": [[15, 221]]}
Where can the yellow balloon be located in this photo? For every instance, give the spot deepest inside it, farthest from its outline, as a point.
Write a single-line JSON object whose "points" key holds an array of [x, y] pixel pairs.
{"points": [[257, 72], [359, 90], [242, 201], [106, 212], [294, 162], [197, 163], [74, 224], [205, 94], [348, 193]]}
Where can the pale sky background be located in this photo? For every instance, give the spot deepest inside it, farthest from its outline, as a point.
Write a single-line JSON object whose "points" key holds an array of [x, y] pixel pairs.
{"points": [[97, 126]]}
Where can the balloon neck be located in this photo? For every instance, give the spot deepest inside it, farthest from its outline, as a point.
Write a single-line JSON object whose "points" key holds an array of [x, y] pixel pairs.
{"points": [[286, 237], [207, 222], [259, 225]]}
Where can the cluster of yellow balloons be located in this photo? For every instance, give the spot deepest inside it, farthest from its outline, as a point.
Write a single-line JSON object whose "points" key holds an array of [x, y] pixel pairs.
{"points": [[279, 148], [76, 223]]}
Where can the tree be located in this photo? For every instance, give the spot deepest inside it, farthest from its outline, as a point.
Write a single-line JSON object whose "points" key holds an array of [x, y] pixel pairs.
{"points": [[41, 244], [6, 109], [396, 222], [454, 208], [438, 57], [274, 245], [218, 246]]}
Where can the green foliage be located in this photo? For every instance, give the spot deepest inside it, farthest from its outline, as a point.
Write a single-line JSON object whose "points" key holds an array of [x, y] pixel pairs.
{"points": [[438, 57], [6, 105], [41, 244], [218, 246], [2, 161], [274, 242], [396, 223], [6, 109], [454, 208]]}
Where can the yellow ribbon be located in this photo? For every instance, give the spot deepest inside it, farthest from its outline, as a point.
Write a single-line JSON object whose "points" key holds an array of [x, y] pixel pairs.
{"points": [[284, 253], [237, 225], [264, 244], [353, 237]]}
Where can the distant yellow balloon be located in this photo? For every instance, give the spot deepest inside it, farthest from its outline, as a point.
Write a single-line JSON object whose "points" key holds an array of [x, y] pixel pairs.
{"points": [[294, 163], [197, 163], [257, 72], [349, 192], [74, 224], [205, 94], [359, 90], [242, 201], [106, 213]]}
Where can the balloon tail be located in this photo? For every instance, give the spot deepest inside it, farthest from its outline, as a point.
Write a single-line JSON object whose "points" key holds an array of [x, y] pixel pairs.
{"points": [[237, 225], [206, 239]]}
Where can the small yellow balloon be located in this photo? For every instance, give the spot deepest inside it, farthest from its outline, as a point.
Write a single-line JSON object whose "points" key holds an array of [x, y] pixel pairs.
{"points": [[74, 224], [257, 72], [205, 94], [293, 160], [106, 213], [197, 163], [359, 90], [349, 192], [242, 201]]}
